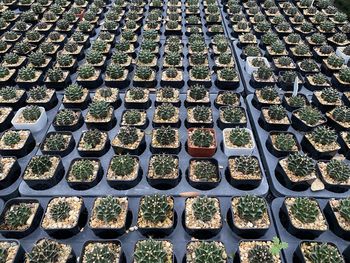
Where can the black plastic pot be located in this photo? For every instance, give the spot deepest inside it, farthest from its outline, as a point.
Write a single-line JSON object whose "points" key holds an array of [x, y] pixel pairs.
{"points": [[94, 153], [78, 105], [336, 188], [60, 85], [64, 152], [259, 104], [302, 126], [334, 223], [204, 185], [19, 153], [41, 184], [271, 126], [16, 104], [314, 153], [322, 107], [137, 151], [288, 106], [276, 152], [17, 234], [300, 256], [71, 128], [63, 233], [6, 123], [84, 185], [12, 175]]}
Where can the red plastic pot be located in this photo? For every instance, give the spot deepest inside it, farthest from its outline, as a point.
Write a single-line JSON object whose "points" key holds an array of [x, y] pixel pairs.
{"points": [[201, 151]]}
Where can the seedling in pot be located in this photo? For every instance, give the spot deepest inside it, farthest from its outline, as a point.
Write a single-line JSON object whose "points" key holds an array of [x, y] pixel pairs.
{"points": [[199, 116], [202, 216], [20, 217], [274, 118], [249, 215], [137, 98], [60, 143], [282, 144], [42, 96], [156, 215], [203, 173], [12, 97], [75, 96], [88, 76], [163, 171], [304, 217], [165, 139], [129, 140], [28, 76], [266, 96], [168, 95], [166, 114], [338, 213], [206, 251], [231, 117], [342, 79], [321, 142], [201, 142], [339, 118], [100, 115], [154, 250], [16, 143], [238, 141], [307, 118], [31, 117], [43, 171], [197, 94], [68, 120], [110, 95], [144, 76], [96, 251], [259, 251], [63, 216], [109, 216], [52, 251], [93, 143], [262, 77], [314, 251]]}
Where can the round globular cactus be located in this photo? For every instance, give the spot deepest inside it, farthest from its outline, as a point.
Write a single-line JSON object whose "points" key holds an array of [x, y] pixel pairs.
{"points": [[300, 164], [40, 164], [11, 58], [204, 208], [100, 254], [65, 117], [284, 142], [55, 75], [163, 165], [171, 72], [55, 142], [11, 138], [114, 71], [264, 73], [233, 114], [173, 58], [344, 74], [86, 71], [247, 165], [38, 93], [305, 210], [344, 208], [277, 112], [60, 211], [205, 171], [136, 93], [209, 252], [8, 93], [239, 137], [105, 92], [269, 93], [37, 58], [148, 251], [128, 135], [119, 57], [82, 170], [323, 135], [228, 74], [92, 138], [165, 135], [323, 252], [74, 92], [251, 207], [155, 208], [144, 73], [94, 57], [202, 138], [123, 165], [260, 253], [18, 215], [338, 170], [132, 117], [341, 114], [330, 95], [45, 251], [200, 72], [201, 113], [310, 115], [31, 113], [26, 73], [197, 92], [99, 109], [108, 209], [166, 111]]}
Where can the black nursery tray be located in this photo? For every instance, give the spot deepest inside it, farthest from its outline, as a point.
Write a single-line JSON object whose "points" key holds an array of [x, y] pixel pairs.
{"points": [[270, 161], [12, 190], [293, 242], [143, 187], [179, 237]]}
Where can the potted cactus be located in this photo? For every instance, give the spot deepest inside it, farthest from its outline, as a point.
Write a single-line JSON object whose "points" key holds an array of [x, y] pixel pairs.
{"points": [[323, 52], [281, 143], [84, 173], [308, 66], [321, 143], [292, 103], [89, 77], [199, 116], [250, 216], [200, 75], [203, 173], [95, 250], [43, 172], [116, 75], [334, 174], [342, 79], [231, 117], [9, 171], [317, 81], [163, 171], [135, 117], [137, 98], [68, 120], [253, 63], [283, 63], [316, 250], [42, 96], [259, 250], [108, 94], [297, 170], [13, 60], [238, 141], [93, 143], [262, 77], [227, 98], [63, 216], [206, 250], [172, 77], [28, 77], [144, 76], [338, 118], [72, 48], [344, 52], [287, 78], [156, 215], [166, 114], [54, 251], [266, 97], [337, 212], [100, 115], [326, 99], [75, 96], [304, 217], [201, 142], [123, 172], [20, 217], [58, 143], [6, 75], [306, 118], [202, 216], [16, 143], [31, 117], [6, 115], [155, 249], [228, 78], [129, 140], [197, 94], [57, 78], [38, 60], [165, 139], [274, 118], [11, 250], [332, 64], [66, 62]]}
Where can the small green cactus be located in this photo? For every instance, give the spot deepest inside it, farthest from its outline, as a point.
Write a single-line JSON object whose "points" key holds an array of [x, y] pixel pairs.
{"points": [[165, 135], [65, 117], [37, 58], [82, 170], [18, 215], [323, 252], [74, 92], [344, 74], [323, 135], [277, 112], [144, 73], [119, 57], [173, 58], [209, 252], [305, 210], [11, 58], [105, 92], [155, 208], [202, 138], [92, 138], [239, 137], [115, 71], [26, 73], [31, 113], [269, 93], [108, 209], [11, 138], [284, 142], [310, 115], [300, 164], [205, 171], [297, 101], [3, 255], [204, 208], [171, 72], [94, 57], [86, 71], [335, 61], [338, 170], [344, 208], [123, 165], [136, 93], [166, 111], [148, 251], [45, 251], [228, 74], [247, 165], [55, 75], [260, 253], [132, 117], [99, 109], [60, 211], [145, 57], [163, 165], [167, 92], [201, 113], [264, 73], [100, 254], [38, 93], [40, 164], [233, 114], [56, 142], [128, 135], [251, 207], [197, 92], [200, 72]]}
